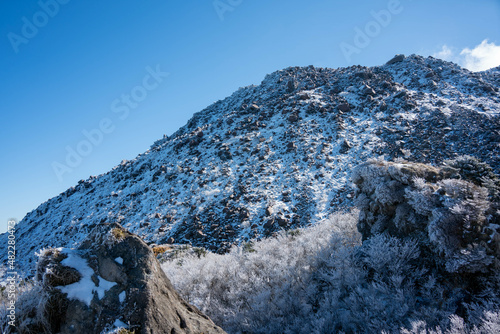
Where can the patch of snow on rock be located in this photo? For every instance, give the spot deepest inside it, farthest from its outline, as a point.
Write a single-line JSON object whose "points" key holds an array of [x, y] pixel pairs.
{"points": [[84, 289]]}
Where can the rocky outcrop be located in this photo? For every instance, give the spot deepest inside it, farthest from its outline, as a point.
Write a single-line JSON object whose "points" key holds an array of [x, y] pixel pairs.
{"points": [[452, 211], [112, 280], [397, 59]]}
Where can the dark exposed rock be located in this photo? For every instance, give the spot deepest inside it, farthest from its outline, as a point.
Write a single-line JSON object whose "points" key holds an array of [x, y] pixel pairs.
{"points": [[344, 148], [430, 74], [282, 222], [290, 146], [397, 59], [291, 86], [293, 118], [304, 96], [344, 107], [254, 107], [113, 278], [268, 225], [367, 90]]}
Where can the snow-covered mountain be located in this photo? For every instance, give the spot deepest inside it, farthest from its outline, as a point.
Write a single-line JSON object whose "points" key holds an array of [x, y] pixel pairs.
{"points": [[278, 155]]}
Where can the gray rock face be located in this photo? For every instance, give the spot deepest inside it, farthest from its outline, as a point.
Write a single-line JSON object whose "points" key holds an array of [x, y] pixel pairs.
{"points": [[344, 107], [397, 59], [113, 280], [451, 211], [367, 90]]}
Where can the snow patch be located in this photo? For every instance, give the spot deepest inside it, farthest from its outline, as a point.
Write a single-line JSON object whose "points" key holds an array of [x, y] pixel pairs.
{"points": [[120, 324], [85, 288], [122, 296]]}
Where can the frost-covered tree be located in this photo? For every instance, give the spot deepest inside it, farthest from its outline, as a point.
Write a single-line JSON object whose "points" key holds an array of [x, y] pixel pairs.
{"points": [[455, 218], [322, 279], [428, 263]]}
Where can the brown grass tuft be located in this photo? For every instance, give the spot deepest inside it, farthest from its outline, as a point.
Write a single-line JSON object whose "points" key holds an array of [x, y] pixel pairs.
{"points": [[160, 249], [118, 233]]}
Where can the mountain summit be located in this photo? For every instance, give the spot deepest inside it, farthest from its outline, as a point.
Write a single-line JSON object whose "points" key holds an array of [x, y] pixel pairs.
{"points": [[278, 155]]}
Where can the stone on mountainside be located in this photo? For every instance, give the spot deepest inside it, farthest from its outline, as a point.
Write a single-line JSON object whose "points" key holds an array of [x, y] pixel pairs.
{"points": [[397, 59]]}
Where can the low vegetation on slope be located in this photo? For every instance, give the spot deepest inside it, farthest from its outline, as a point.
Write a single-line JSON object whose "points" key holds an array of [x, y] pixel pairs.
{"points": [[429, 262], [321, 279]]}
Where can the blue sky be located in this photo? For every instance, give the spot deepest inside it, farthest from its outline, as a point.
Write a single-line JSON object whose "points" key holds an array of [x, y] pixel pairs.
{"points": [[100, 68]]}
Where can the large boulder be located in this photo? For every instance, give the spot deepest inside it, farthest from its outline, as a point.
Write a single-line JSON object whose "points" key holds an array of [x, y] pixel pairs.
{"points": [[113, 280], [452, 211], [396, 59]]}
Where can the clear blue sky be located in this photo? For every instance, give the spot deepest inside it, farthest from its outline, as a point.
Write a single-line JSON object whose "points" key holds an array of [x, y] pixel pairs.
{"points": [[63, 78]]}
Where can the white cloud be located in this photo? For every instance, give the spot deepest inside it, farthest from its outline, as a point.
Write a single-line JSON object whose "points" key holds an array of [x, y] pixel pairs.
{"points": [[445, 53], [482, 57]]}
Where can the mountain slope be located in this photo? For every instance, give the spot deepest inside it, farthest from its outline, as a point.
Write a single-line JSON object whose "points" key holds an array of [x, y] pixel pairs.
{"points": [[278, 155]]}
